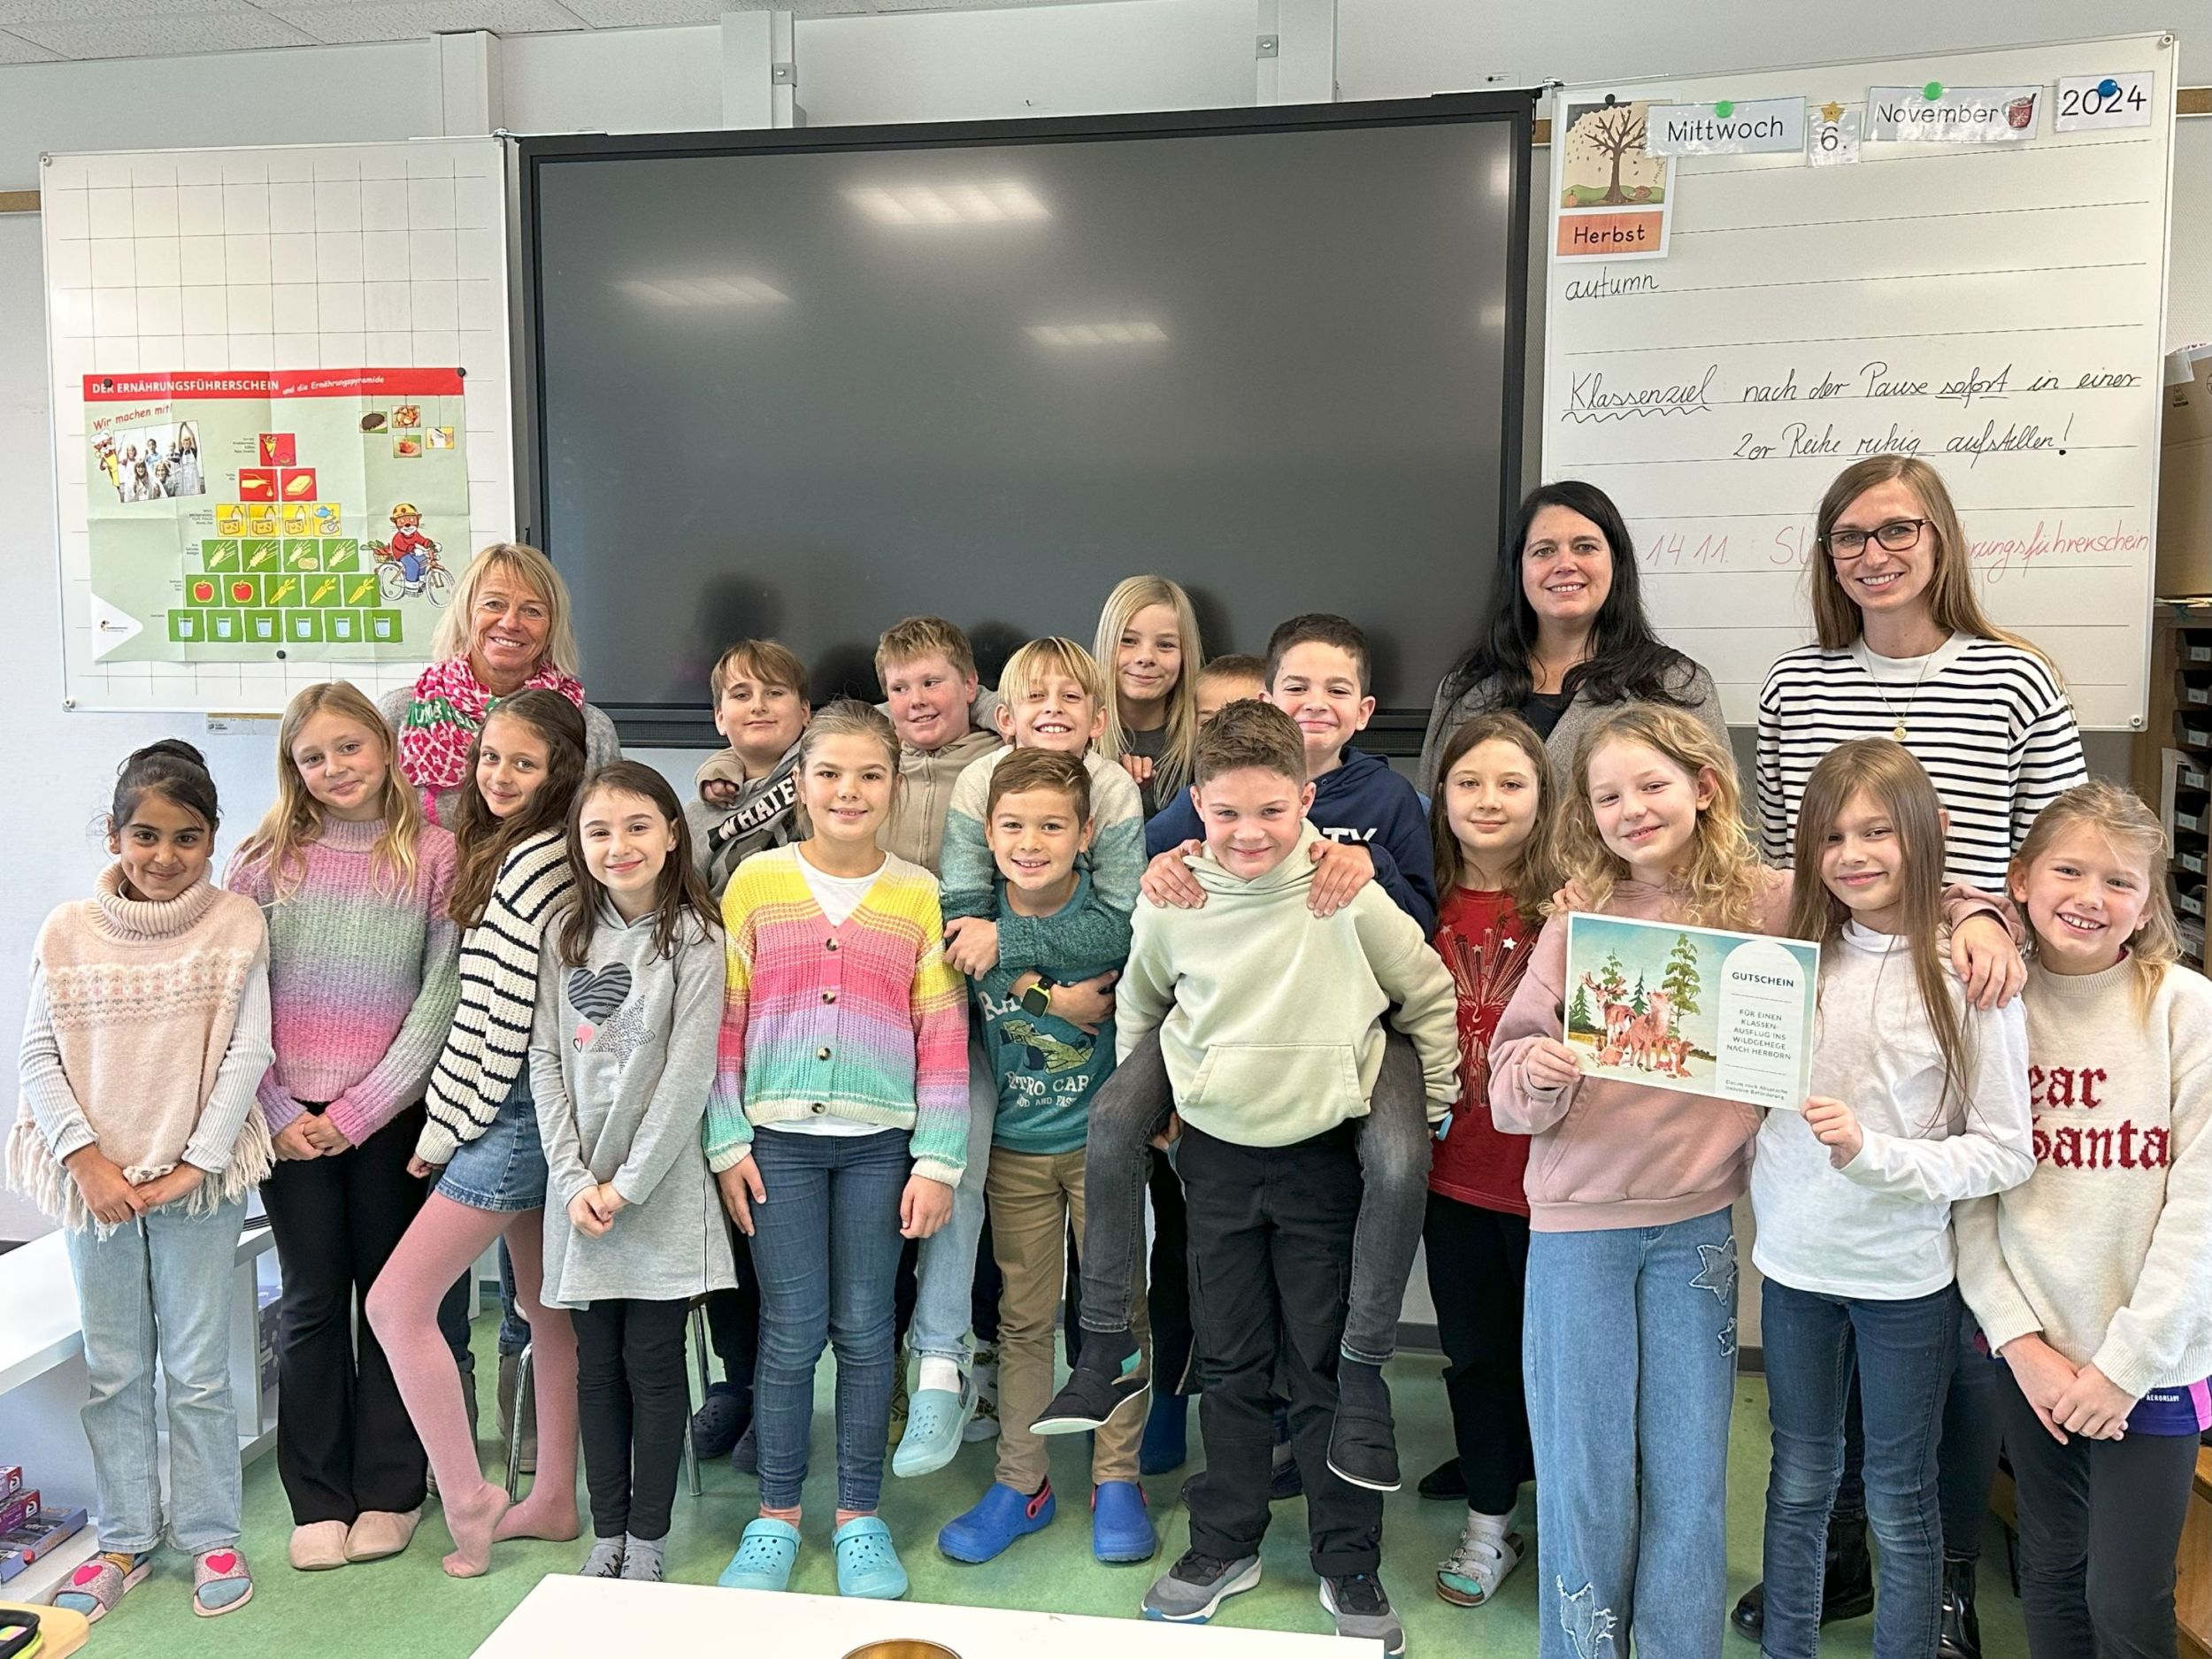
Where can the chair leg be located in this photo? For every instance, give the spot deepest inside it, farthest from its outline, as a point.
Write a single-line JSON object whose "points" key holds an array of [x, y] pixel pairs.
{"points": [[706, 1377], [514, 1439]]}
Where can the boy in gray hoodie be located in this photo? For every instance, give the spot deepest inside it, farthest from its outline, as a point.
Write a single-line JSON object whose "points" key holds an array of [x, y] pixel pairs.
{"points": [[1270, 1021]]}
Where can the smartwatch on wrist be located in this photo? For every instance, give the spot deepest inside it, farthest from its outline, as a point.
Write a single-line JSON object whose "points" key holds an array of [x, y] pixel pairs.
{"points": [[1038, 998]]}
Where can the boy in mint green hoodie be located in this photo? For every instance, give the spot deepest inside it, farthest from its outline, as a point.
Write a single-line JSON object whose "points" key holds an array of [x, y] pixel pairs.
{"points": [[1270, 1023]]}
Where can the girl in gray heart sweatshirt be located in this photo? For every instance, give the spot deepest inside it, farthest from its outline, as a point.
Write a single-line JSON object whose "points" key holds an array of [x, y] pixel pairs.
{"points": [[621, 1061]]}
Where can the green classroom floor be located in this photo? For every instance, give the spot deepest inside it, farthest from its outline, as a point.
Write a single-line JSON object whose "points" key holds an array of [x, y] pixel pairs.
{"points": [[406, 1606]]}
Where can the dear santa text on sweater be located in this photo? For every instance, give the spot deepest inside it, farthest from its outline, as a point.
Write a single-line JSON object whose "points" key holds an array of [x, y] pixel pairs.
{"points": [[2096, 1147]]}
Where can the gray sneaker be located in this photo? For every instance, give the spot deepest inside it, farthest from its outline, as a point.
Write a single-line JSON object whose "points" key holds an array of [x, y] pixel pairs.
{"points": [[1357, 1604], [1189, 1592]]}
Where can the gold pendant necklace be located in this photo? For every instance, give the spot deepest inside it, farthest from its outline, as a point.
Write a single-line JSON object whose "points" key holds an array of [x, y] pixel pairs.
{"points": [[1898, 730]]}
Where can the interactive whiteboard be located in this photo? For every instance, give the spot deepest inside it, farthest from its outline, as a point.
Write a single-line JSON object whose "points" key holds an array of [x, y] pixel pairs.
{"points": [[1992, 303]]}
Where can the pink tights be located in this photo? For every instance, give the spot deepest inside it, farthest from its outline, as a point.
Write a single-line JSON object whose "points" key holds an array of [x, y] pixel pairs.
{"points": [[443, 1242]]}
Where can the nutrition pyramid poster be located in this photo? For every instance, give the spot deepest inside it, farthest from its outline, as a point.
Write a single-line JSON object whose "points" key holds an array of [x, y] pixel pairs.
{"points": [[298, 515]]}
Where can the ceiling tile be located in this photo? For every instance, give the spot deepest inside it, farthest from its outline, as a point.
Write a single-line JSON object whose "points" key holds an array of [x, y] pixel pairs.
{"points": [[630, 14], [14, 50], [15, 11], [202, 31], [410, 19]]}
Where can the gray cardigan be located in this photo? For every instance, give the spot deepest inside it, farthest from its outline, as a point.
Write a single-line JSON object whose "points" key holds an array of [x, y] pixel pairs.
{"points": [[1696, 692], [601, 744], [622, 1056]]}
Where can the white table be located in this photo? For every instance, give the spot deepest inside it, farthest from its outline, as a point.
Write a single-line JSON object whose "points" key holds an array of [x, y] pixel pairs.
{"points": [[569, 1617]]}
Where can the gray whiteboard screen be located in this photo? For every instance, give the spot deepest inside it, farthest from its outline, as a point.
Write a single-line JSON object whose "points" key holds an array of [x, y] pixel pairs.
{"points": [[803, 393]]}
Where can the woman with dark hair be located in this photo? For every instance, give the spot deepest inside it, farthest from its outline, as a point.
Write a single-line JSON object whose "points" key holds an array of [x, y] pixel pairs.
{"points": [[1567, 635]]}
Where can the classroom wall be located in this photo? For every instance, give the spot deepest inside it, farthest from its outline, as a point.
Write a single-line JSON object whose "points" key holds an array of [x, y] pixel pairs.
{"points": [[1130, 55]]}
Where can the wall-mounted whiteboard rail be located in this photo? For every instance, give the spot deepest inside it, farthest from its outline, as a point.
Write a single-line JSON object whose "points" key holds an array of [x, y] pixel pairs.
{"points": [[339, 257], [1995, 308]]}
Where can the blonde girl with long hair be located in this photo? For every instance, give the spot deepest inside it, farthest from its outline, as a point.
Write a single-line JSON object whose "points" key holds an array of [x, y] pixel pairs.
{"points": [[1148, 642], [1631, 1312], [1919, 1101], [354, 885], [2089, 1278]]}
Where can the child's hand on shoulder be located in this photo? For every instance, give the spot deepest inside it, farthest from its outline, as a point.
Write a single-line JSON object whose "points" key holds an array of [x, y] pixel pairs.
{"points": [[1836, 1126], [2043, 1375], [293, 1144], [110, 1198], [1984, 955], [1550, 1065], [924, 1207], [1568, 898], [2093, 1405], [971, 945], [1139, 767], [1340, 869], [1085, 1004], [179, 1183], [1168, 882], [742, 1189]]}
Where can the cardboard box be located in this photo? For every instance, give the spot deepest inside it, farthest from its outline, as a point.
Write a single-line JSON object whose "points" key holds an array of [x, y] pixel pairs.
{"points": [[10, 1480], [2185, 476]]}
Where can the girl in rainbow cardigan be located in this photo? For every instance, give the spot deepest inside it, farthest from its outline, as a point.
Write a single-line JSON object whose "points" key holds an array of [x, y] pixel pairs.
{"points": [[845, 1044]]}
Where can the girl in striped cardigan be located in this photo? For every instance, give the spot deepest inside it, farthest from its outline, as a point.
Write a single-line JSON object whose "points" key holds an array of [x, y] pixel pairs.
{"points": [[479, 1137], [845, 1046]]}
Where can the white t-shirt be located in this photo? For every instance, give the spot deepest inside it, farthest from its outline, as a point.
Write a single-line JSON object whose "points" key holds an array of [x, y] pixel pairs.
{"points": [[839, 896], [1880, 1228]]}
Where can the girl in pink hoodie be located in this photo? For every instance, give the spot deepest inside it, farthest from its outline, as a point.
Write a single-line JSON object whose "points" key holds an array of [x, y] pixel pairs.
{"points": [[1630, 1335]]}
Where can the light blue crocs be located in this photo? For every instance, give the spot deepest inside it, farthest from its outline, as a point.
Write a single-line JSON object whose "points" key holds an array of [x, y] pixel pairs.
{"points": [[935, 1418], [867, 1564], [764, 1557]]}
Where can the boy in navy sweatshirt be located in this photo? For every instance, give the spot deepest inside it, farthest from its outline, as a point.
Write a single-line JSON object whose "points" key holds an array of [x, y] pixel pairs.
{"points": [[1372, 829]]}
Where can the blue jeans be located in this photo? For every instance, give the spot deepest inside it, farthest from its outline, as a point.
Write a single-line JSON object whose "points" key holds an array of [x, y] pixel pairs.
{"points": [[825, 1248], [1629, 1353], [1904, 1357], [160, 1287], [944, 1275]]}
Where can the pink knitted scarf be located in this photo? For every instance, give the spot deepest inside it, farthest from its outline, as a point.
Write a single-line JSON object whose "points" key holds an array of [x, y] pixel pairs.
{"points": [[449, 708]]}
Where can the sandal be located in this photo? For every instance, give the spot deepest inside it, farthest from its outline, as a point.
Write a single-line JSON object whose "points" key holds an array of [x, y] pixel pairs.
{"points": [[220, 1582], [97, 1585], [867, 1563], [764, 1557], [1478, 1565]]}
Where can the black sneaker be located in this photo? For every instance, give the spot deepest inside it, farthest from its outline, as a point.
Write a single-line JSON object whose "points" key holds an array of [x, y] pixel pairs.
{"points": [[1362, 1440], [1284, 1480], [1361, 1611], [1093, 1399], [1445, 1483]]}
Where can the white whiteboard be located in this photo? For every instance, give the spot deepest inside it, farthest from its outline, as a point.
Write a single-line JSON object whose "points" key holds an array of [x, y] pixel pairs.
{"points": [[297, 258], [1946, 261]]}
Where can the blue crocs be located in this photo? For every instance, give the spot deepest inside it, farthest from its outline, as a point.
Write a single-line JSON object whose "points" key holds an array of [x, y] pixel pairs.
{"points": [[764, 1557], [867, 1564], [1002, 1516], [1121, 1527], [935, 1418]]}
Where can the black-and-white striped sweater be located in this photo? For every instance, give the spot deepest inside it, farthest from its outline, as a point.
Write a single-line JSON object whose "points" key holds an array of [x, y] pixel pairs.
{"points": [[489, 1044], [1988, 721]]}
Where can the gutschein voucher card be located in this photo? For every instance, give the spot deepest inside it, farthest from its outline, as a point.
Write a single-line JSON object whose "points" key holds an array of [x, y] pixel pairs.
{"points": [[1696, 1009]]}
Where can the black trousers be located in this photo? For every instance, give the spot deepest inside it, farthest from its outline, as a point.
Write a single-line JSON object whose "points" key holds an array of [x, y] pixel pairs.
{"points": [[634, 1411], [1271, 1268], [734, 1320], [1167, 1298], [1477, 1271], [2100, 1521], [344, 1443]]}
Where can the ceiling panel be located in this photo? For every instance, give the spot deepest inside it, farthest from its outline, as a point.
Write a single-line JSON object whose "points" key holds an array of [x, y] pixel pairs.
{"points": [[15, 49], [170, 36]]}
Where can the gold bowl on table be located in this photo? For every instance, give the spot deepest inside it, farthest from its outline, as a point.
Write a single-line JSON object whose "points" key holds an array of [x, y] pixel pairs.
{"points": [[902, 1648]]}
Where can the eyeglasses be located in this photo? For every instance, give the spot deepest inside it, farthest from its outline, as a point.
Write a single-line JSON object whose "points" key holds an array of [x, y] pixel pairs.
{"points": [[1896, 536]]}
